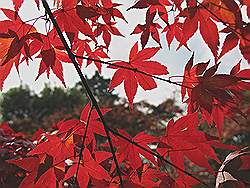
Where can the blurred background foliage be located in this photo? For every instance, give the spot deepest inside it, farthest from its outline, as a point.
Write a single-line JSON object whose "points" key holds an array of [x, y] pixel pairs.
{"points": [[27, 111]]}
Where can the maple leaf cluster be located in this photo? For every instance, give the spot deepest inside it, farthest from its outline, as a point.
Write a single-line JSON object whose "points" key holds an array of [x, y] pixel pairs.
{"points": [[214, 95], [21, 42], [56, 158], [73, 154], [85, 21], [203, 16], [12, 145]]}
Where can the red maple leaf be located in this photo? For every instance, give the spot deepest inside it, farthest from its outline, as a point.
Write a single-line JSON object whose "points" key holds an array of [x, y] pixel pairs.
{"points": [[208, 29], [61, 150], [146, 176], [52, 54], [138, 61], [31, 165], [96, 54], [40, 171], [154, 6], [15, 39], [233, 39], [82, 48], [174, 30], [76, 127], [149, 28], [183, 139], [71, 22], [89, 168], [215, 95], [17, 4], [130, 153], [107, 31], [109, 11], [224, 11]]}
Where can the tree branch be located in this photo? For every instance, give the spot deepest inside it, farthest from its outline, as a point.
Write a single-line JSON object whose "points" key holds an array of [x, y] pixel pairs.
{"points": [[156, 155], [133, 69], [85, 84], [83, 140], [95, 104]]}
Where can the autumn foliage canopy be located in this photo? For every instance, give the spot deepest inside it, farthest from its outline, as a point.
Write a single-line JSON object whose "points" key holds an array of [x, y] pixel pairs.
{"points": [[86, 152]]}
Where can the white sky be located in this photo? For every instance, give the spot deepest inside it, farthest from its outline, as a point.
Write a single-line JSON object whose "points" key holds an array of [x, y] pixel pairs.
{"points": [[119, 49]]}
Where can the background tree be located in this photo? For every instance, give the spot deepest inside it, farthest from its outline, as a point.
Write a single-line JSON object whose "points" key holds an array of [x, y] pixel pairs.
{"points": [[53, 104], [12, 145]]}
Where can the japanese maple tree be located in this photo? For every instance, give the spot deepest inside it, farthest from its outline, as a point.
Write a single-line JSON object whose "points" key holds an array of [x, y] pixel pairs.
{"points": [[79, 32]]}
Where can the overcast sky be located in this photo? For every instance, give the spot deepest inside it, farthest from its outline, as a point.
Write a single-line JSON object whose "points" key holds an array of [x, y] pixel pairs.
{"points": [[119, 49]]}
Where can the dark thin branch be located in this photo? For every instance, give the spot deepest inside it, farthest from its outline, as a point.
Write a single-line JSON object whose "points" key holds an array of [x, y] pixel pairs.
{"points": [[83, 140], [43, 16], [133, 69], [94, 102], [156, 155], [85, 84], [32, 19]]}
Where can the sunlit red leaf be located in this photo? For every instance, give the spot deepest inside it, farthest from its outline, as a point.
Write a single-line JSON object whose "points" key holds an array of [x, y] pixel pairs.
{"points": [[63, 148], [130, 153], [15, 38], [88, 169], [182, 138], [138, 60], [17, 4]]}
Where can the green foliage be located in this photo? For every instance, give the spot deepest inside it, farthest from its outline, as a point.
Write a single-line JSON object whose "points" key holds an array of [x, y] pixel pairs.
{"points": [[17, 103], [27, 110]]}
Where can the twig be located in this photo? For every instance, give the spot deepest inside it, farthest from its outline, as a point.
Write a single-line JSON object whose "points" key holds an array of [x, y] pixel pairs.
{"points": [[84, 82], [94, 102], [133, 69], [156, 155], [83, 140]]}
